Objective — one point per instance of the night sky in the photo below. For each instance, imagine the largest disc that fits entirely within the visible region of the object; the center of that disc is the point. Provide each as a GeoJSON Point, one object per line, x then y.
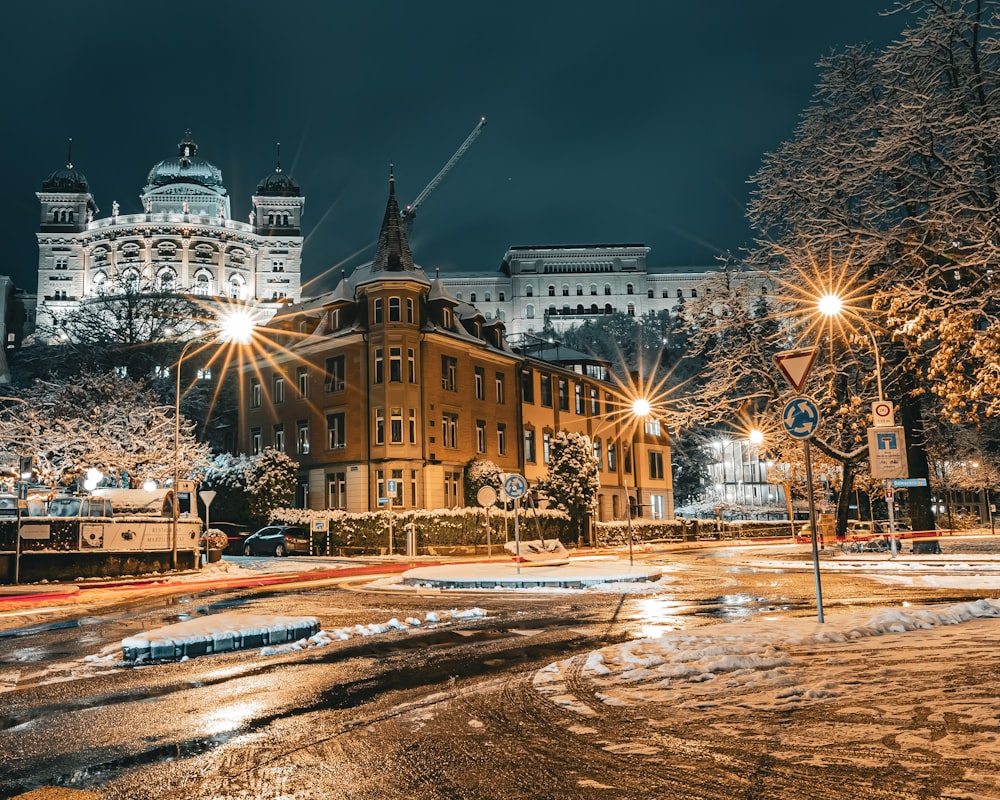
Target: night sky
{"type": "Point", "coordinates": [607, 121]}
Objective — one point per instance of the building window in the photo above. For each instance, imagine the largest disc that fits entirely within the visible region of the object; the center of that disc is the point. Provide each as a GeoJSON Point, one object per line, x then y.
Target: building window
{"type": "Point", "coordinates": [546, 446]}
{"type": "Point", "coordinates": [652, 427]}
{"type": "Point", "coordinates": [396, 425]}
{"type": "Point", "coordinates": [607, 288]}
{"type": "Point", "coordinates": [336, 487]}
{"type": "Point", "coordinates": [394, 309]}
{"type": "Point", "coordinates": [579, 290]}
{"type": "Point", "coordinates": [278, 389]}
{"type": "Point", "coordinates": [630, 310]}
{"type": "Point", "coordinates": [279, 438]}
{"type": "Point", "coordinates": [413, 488]}
{"type": "Point", "coordinates": [411, 365]}
{"type": "Point", "coordinates": [378, 371]}
{"type": "Point", "coordinates": [452, 483]}
{"type": "Point", "coordinates": [501, 389]}
{"type": "Point", "coordinates": [563, 394]}
{"type": "Point", "coordinates": [529, 291]}
{"type": "Point", "coordinates": [528, 386]}
{"type": "Point", "coordinates": [593, 289]}
{"type": "Point", "coordinates": [501, 439]}
{"type": "Point", "coordinates": [629, 289]}
{"type": "Point", "coordinates": [397, 496]}
{"type": "Point", "coordinates": [552, 291]}
{"type": "Point", "coordinates": [447, 320]}
{"type": "Point", "coordinates": [409, 310]}
{"type": "Point", "coordinates": [529, 311]}
{"type": "Point", "coordinates": [379, 436]}
{"type": "Point", "coordinates": [529, 445]}
{"type": "Point", "coordinates": [302, 380]}
{"type": "Point", "coordinates": [694, 293]}
{"type": "Point", "coordinates": [334, 381]}
{"type": "Point", "coordinates": [449, 374]}
{"type": "Point", "coordinates": [255, 443]}
{"type": "Point", "coordinates": [597, 453]}
{"type": "Point", "coordinates": [377, 311]}
{"type": "Point", "coordinates": [302, 437]}
{"type": "Point", "coordinates": [655, 465]}
{"type": "Point", "coordinates": [449, 430]}
{"type": "Point", "coordinates": [649, 293]}
{"type": "Point", "coordinates": [612, 458]}
{"type": "Point", "coordinates": [413, 425]}
{"type": "Point", "coordinates": [565, 290]}
{"type": "Point", "coordinates": [501, 297]}
{"type": "Point", "coordinates": [595, 401]}
{"type": "Point", "coordinates": [480, 436]}
{"type": "Point", "coordinates": [545, 382]}
{"type": "Point", "coordinates": [396, 364]}
{"type": "Point", "coordinates": [578, 399]}
{"type": "Point", "coordinates": [336, 431]}
{"type": "Point", "coordinates": [480, 383]}
{"type": "Point", "coordinates": [255, 394]}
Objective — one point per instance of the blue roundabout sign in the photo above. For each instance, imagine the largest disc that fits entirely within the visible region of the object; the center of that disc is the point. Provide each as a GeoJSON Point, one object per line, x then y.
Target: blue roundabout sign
{"type": "Point", "coordinates": [800, 417]}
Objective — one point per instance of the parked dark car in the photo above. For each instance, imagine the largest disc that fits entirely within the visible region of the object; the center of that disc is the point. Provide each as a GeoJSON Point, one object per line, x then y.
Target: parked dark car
{"type": "Point", "coordinates": [277, 540]}
{"type": "Point", "coordinates": [236, 533]}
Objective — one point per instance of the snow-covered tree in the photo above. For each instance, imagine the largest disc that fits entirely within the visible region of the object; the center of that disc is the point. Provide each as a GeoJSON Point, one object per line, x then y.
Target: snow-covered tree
{"type": "Point", "coordinates": [480, 472]}
{"type": "Point", "coordinates": [573, 480]}
{"type": "Point", "coordinates": [889, 192]}
{"type": "Point", "coordinates": [251, 487]}
{"type": "Point", "coordinates": [104, 422]}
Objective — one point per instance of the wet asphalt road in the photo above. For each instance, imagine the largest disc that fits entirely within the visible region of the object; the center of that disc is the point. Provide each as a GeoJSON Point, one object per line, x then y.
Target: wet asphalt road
{"type": "Point", "coordinates": [444, 712]}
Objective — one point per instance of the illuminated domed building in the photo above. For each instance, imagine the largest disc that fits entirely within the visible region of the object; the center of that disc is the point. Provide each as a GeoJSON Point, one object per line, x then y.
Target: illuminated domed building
{"type": "Point", "coordinates": [184, 240]}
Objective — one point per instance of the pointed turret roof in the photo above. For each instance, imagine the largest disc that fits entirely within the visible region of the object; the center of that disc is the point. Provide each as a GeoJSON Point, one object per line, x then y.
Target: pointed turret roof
{"type": "Point", "coordinates": [392, 252]}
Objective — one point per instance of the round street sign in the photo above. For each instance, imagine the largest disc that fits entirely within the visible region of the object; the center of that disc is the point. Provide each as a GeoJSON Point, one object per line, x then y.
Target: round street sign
{"type": "Point", "coordinates": [515, 486]}
{"type": "Point", "coordinates": [486, 496]}
{"type": "Point", "coordinates": [800, 417]}
{"type": "Point", "coordinates": [882, 414]}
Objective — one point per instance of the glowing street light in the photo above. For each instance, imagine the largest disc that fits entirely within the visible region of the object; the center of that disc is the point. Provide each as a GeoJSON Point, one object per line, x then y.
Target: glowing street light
{"type": "Point", "coordinates": [236, 328]}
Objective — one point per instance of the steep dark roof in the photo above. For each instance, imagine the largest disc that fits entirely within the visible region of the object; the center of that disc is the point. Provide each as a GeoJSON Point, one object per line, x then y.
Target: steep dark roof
{"type": "Point", "coordinates": [393, 258]}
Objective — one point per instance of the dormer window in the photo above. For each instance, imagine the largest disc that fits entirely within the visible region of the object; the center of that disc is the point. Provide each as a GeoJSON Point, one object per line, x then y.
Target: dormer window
{"type": "Point", "coordinates": [447, 319]}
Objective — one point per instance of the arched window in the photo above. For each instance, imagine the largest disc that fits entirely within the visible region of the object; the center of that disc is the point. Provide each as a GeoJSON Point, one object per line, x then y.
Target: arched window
{"type": "Point", "coordinates": [166, 280]}
{"type": "Point", "coordinates": [607, 288]}
{"type": "Point", "coordinates": [579, 290]}
{"type": "Point", "coordinates": [237, 287]}
{"type": "Point", "coordinates": [631, 309]}
{"type": "Point", "coordinates": [552, 290]}
{"type": "Point", "coordinates": [629, 289]}
{"type": "Point", "coordinates": [694, 292]}
{"type": "Point", "coordinates": [565, 290]}
{"type": "Point", "coordinates": [100, 283]}
{"type": "Point", "coordinates": [529, 311]}
{"type": "Point", "coordinates": [680, 293]}
{"type": "Point", "coordinates": [608, 309]}
{"type": "Point", "coordinates": [594, 309]}
{"type": "Point", "coordinates": [593, 289]}
{"type": "Point", "coordinates": [202, 283]}
{"type": "Point", "coordinates": [529, 290]}
{"type": "Point", "coordinates": [579, 309]}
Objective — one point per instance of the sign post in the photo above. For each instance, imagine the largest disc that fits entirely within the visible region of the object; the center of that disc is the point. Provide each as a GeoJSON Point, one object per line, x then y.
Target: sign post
{"type": "Point", "coordinates": [515, 487]}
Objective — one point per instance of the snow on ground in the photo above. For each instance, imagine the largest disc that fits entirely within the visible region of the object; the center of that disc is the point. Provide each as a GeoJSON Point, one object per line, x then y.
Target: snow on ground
{"type": "Point", "coordinates": [764, 664]}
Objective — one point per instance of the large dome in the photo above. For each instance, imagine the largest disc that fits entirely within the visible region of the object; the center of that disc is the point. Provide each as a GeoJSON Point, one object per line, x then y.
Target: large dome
{"type": "Point", "coordinates": [185, 168]}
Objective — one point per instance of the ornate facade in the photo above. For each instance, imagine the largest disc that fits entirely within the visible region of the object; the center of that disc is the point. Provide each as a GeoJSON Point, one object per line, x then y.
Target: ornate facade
{"type": "Point", "coordinates": [184, 239]}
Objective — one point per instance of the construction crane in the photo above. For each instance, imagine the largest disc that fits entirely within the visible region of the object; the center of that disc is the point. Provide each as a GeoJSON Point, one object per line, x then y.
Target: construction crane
{"type": "Point", "coordinates": [411, 210]}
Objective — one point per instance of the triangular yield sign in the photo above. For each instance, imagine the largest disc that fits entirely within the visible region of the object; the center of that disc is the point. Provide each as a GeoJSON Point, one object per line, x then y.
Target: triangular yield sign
{"type": "Point", "coordinates": [795, 366]}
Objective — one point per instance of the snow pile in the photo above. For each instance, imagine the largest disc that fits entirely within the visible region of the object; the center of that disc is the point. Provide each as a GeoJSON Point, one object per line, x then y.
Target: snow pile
{"type": "Point", "coordinates": [325, 637]}
{"type": "Point", "coordinates": [764, 663]}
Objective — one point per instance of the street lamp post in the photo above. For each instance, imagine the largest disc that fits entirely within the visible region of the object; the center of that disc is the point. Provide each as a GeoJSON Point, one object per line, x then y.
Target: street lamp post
{"type": "Point", "coordinates": [831, 305]}
{"type": "Point", "coordinates": [235, 327]}
{"type": "Point", "coordinates": [177, 448]}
